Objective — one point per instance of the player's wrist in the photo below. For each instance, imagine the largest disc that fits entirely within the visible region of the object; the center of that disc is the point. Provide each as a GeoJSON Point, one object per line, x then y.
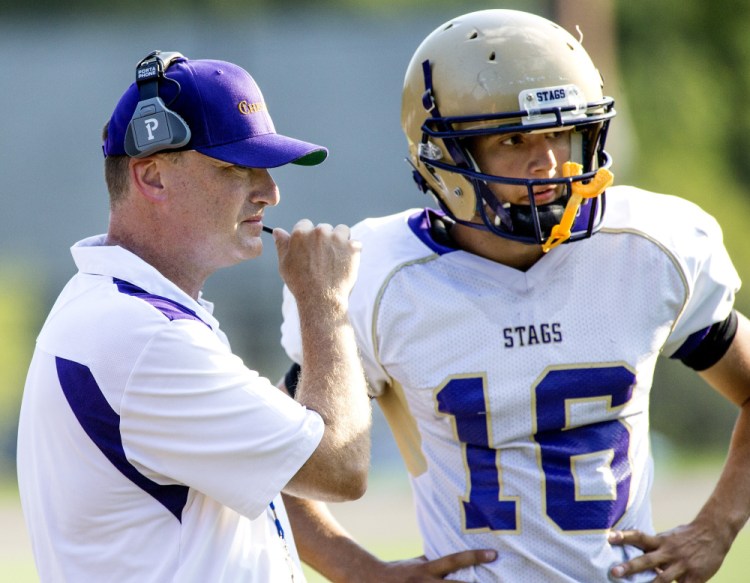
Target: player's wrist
{"type": "Point", "coordinates": [723, 526]}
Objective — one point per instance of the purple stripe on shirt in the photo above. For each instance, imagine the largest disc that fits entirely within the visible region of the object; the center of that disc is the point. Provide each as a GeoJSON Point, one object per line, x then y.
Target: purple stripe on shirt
{"type": "Point", "coordinates": [170, 308]}
{"type": "Point", "coordinates": [102, 425]}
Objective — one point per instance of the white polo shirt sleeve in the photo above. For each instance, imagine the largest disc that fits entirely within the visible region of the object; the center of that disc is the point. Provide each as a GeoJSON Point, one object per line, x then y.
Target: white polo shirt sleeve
{"type": "Point", "coordinates": [192, 413]}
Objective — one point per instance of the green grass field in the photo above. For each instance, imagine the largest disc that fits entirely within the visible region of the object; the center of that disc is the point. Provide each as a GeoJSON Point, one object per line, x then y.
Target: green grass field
{"type": "Point", "coordinates": [383, 521]}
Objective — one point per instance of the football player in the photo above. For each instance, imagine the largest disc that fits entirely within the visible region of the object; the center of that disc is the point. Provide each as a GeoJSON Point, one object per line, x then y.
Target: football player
{"type": "Point", "coordinates": [510, 335]}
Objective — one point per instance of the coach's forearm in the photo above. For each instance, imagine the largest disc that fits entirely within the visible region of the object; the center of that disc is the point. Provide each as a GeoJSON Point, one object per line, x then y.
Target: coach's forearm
{"type": "Point", "coordinates": [332, 383]}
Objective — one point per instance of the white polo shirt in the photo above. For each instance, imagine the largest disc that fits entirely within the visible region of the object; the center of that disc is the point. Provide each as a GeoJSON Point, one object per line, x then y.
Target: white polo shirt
{"type": "Point", "coordinates": [147, 451]}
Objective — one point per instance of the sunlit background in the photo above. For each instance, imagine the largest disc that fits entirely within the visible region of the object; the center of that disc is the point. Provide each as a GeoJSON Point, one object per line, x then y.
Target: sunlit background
{"type": "Point", "coordinates": [331, 72]}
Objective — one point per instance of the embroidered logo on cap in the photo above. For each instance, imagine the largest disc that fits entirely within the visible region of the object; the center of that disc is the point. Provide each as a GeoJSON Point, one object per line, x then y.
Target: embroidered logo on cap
{"type": "Point", "coordinates": [248, 108]}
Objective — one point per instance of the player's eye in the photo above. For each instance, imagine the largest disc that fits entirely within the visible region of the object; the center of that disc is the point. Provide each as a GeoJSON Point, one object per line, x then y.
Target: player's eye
{"type": "Point", "coordinates": [511, 139]}
{"type": "Point", "coordinates": [558, 136]}
{"type": "Point", "coordinates": [552, 136]}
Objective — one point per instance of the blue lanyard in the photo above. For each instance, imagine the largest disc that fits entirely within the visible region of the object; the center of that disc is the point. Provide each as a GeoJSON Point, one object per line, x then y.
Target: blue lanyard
{"type": "Point", "coordinates": [276, 521]}
{"type": "Point", "coordinates": [280, 530]}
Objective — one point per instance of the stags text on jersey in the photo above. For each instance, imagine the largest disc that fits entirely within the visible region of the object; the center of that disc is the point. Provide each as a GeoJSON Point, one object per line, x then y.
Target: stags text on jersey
{"type": "Point", "coordinates": [545, 333]}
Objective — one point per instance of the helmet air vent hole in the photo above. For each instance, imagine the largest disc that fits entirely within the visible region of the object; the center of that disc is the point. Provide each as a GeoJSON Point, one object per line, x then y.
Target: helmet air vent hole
{"type": "Point", "coordinates": [492, 56]}
{"type": "Point", "coordinates": [473, 35]}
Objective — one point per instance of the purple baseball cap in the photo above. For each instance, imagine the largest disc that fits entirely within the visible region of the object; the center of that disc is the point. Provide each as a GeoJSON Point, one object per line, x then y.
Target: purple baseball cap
{"type": "Point", "coordinates": [226, 113]}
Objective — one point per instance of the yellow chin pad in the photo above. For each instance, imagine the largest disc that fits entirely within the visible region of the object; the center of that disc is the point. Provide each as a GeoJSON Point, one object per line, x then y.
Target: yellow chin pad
{"type": "Point", "coordinates": [579, 190]}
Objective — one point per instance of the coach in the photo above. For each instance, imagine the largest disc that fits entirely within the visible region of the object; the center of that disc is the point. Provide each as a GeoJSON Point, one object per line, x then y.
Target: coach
{"type": "Point", "coordinates": [147, 450]}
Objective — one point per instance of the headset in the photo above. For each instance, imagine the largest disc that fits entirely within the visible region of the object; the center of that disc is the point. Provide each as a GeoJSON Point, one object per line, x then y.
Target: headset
{"type": "Point", "coordinates": [154, 127]}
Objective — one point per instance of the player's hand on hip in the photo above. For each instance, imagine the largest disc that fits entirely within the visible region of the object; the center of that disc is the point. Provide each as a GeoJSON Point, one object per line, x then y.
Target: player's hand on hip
{"type": "Point", "coordinates": [318, 261]}
{"type": "Point", "coordinates": [686, 554]}
{"type": "Point", "coordinates": [420, 570]}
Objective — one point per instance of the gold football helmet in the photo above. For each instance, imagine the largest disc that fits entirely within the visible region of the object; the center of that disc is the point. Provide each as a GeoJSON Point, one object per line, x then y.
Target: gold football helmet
{"type": "Point", "coordinates": [502, 71]}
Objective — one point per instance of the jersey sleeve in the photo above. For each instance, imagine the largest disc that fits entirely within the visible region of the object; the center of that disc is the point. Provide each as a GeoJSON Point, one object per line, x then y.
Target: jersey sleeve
{"type": "Point", "coordinates": [711, 278]}
{"type": "Point", "coordinates": [194, 414]}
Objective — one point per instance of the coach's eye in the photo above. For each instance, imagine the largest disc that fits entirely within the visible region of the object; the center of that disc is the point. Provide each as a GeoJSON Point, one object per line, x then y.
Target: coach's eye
{"type": "Point", "coordinates": [238, 171]}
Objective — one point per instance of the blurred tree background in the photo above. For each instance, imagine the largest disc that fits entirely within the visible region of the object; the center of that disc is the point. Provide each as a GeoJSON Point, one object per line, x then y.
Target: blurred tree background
{"type": "Point", "coordinates": [680, 73]}
{"type": "Point", "coordinates": [685, 69]}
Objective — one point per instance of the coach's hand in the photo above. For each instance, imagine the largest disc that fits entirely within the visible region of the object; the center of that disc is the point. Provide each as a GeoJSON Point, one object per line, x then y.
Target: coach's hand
{"type": "Point", "coordinates": [317, 262]}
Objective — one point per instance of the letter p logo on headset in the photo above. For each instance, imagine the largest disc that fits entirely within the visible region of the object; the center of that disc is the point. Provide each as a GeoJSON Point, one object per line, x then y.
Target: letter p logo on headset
{"type": "Point", "coordinates": [154, 127]}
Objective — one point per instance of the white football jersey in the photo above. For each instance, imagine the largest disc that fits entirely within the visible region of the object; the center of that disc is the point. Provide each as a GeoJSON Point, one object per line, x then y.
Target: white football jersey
{"type": "Point", "coordinates": [519, 400]}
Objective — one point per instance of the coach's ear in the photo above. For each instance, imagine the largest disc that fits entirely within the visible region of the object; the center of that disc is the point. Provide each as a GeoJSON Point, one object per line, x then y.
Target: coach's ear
{"type": "Point", "coordinates": [146, 176]}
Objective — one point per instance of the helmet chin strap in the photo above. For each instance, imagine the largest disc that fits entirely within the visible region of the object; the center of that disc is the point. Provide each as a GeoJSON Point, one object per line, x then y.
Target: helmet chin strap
{"type": "Point", "coordinates": [579, 190]}
{"type": "Point", "coordinates": [518, 219]}
{"type": "Point", "coordinates": [547, 216]}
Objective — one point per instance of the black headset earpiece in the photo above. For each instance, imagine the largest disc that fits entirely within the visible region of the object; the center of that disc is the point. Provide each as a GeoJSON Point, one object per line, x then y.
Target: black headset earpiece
{"type": "Point", "coordinates": [154, 127]}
